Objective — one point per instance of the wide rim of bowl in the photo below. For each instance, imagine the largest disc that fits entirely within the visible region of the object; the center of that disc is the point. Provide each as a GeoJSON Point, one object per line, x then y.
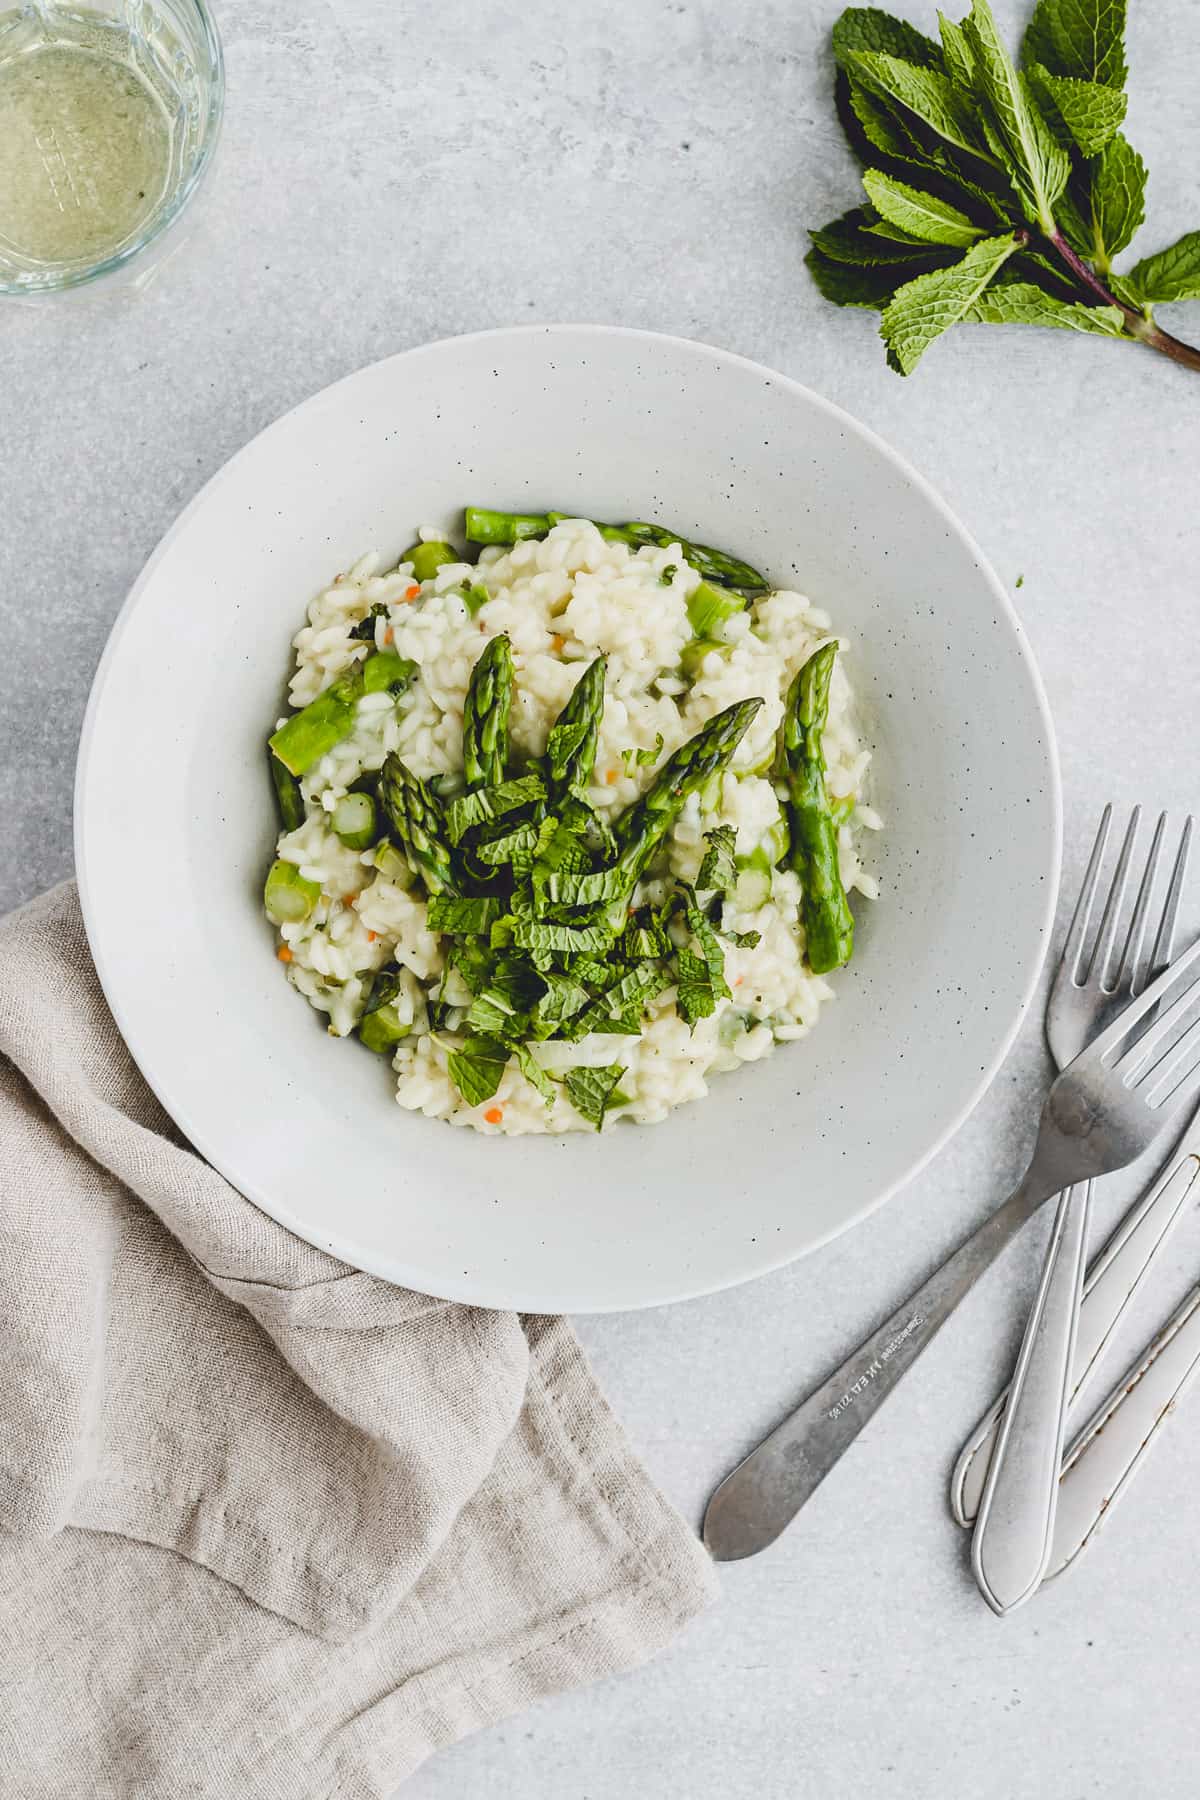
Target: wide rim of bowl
{"type": "Point", "coordinates": [472, 1292]}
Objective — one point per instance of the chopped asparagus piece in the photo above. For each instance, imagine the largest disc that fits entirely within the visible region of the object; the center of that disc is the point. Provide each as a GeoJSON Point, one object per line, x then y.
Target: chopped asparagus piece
{"type": "Point", "coordinates": [287, 896]}
{"type": "Point", "coordinates": [354, 821]}
{"type": "Point", "coordinates": [484, 526]}
{"type": "Point", "coordinates": [287, 794]}
{"type": "Point", "coordinates": [427, 559]}
{"type": "Point", "coordinates": [309, 734]}
{"type": "Point", "coordinates": [709, 607]}
{"type": "Point", "coordinates": [387, 672]}
{"type": "Point", "coordinates": [382, 1029]}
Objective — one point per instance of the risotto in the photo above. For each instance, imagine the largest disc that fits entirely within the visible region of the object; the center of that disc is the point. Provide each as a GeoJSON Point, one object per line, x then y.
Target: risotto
{"type": "Point", "coordinates": [568, 828]}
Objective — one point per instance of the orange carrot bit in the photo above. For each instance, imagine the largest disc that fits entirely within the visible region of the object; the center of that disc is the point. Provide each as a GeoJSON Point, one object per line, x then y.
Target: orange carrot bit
{"type": "Point", "coordinates": [372, 935]}
{"type": "Point", "coordinates": [283, 953]}
{"type": "Point", "coordinates": [557, 641]}
{"type": "Point", "coordinates": [494, 1114]}
{"type": "Point", "coordinates": [738, 980]}
{"type": "Point", "coordinates": [613, 775]}
{"type": "Point", "coordinates": [389, 636]}
{"type": "Point", "coordinates": [410, 593]}
{"type": "Point", "coordinates": [349, 899]}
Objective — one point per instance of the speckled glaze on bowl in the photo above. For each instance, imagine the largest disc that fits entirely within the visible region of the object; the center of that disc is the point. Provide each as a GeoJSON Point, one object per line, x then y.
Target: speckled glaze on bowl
{"type": "Point", "coordinates": [783, 1155]}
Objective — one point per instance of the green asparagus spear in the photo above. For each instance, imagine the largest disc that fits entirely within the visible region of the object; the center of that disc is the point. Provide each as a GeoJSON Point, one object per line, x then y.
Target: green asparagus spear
{"type": "Point", "coordinates": [415, 816]}
{"type": "Point", "coordinates": [642, 829]}
{"type": "Point", "coordinates": [287, 896]}
{"type": "Point", "coordinates": [304, 738]}
{"type": "Point", "coordinates": [427, 559]}
{"type": "Point", "coordinates": [487, 527]}
{"type": "Point", "coordinates": [571, 746]}
{"type": "Point", "coordinates": [714, 565]}
{"type": "Point", "coordinates": [828, 921]}
{"type": "Point", "coordinates": [353, 821]}
{"type": "Point", "coordinates": [287, 794]}
{"type": "Point", "coordinates": [485, 715]}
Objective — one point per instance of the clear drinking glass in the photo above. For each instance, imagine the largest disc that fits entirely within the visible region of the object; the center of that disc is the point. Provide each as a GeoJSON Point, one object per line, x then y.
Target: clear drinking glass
{"type": "Point", "coordinates": [109, 114]}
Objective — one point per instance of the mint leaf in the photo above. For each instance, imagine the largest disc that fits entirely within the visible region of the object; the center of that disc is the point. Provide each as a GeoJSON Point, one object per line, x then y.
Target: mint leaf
{"type": "Point", "coordinates": [743, 940]}
{"type": "Point", "coordinates": [491, 803]}
{"type": "Point", "coordinates": [849, 240]}
{"type": "Point", "coordinates": [1118, 198]}
{"type": "Point", "coordinates": [534, 1073]}
{"type": "Point", "coordinates": [869, 28]}
{"type": "Point", "coordinates": [571, 888]}
{"type": "Point", "coordinates": [718, 870]}
{"type": "Point", "coordinates": [1090, 113]}
{"type": "Point", "coordinates": [1039, 166]}
{"type": "Point", "coordinates": [1082, 39]}
{"type": "Point", "coordinates": [1021, 303]}
{"type": "Point", "coordinates": [446, 913]}
{"type": "Point", "coordinates": [693, 988]}
{"type": "Point", "coordinates": [926, 93]}
{"type": "Point", "coordinates": [535, 934]}
{"type": "Point", "coordinates": [621, 1006]}
{"type": "Point", "coordinates": [846, 284]}
{"type": "Point", "coordinates": [477, 1068]}
{"type": "Point", "coordinates": [515, 847]}
{"type": "Point", "coordinates": [881, 128]}
{"type": "Point", "coordinates": [1171, 274]}
{"type": "Point", "coordinates": [562, 743]}
{"type": "Point", "coordinates": [561, 1001]}
{"type": "Point", "coordinates": [926, 307]}
{"type": "Point", "coordinates": [921, 214]}
{"type": "Point", "coordinates": [592, 1091]}
{"type": "Point", "coordinates": [956, 54]}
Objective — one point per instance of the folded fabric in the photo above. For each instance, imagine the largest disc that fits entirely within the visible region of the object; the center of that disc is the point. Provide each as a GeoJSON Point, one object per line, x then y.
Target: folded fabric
{"type": "Point", "coordinates": [268, 1525]}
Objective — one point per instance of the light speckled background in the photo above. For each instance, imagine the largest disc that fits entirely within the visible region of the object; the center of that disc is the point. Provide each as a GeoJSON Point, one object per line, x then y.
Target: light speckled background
{"type": "Point", "coordinates": [390, 175]}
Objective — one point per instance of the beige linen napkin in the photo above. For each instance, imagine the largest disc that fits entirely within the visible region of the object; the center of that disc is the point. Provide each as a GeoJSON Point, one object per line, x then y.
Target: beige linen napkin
{"type": "Point", "coordinates": [268, 1526]}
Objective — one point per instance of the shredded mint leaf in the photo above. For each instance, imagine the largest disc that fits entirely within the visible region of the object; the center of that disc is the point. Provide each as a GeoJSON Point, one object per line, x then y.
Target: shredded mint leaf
{"type": "Point", "coordinates": [449, 914]}
{"type": "Point", "coordinates": [511, 847]}
{"type": "Point", "coordinates": [597, 889]}
{"type": "Point", "coordinates": [1038, 164]}
{"type": "Point", "coordinates": [1090, 113]}
{"type": "Point", "coordinates": [693, 988]}
{"type": "Point", "coordinates": [743, 940]}
{"type": "Point", "coordinates": [537, 934]}
{"type": "Point", "coordinates": [591, 1091]}
{"type": "Point", "coordinates": [490, 803]}
{"type": "Point", "coordinates": [562, 743]}
{"type": "Point", "coordinates": [710, 948]}
{"type": "Point", "coordinates": [922, 215]}
{"type": "Point", "coordinates": [1081, 39]}
{"type": "Point", "coordinates": [624, 1002]}
{"type": "Point", "coordinates": [1171, 274]}
{"type": "Point", "coordinates": [869, 28]}
{"type": "Point", "coordinates": [718, 870]}
{"type": "Point", "coordinates": [534, 1073]}
{"type": "Point", "coordinates": [477, 1068]}
{"type": "Point", "coordinates": [384, 989]}
{"type": "Point", "coordinates": [564, 997]}
{"type": "Point", "coordinates": [926, 307]}
{"type": "Point", "coordinates": [1021, 303]}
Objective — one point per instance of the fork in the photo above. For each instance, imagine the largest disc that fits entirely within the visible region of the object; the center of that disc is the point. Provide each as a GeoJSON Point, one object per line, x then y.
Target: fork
{"type": "Point", "coordinates": [1106, 1109]}
{"type": "Point", "coordinates": [1014, 1527]}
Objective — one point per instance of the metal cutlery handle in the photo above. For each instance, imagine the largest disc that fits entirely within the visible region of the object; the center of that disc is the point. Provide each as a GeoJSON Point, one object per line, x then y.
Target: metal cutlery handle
{"type": "Point", "coordinates": [1015, 1527]}
{"type": "Point", "coordinates": [1109, 1451]}
{"type": "Point", "coordinates": [1112, 1281]}
{"type": "Point", "coordinates": [764, 1493]}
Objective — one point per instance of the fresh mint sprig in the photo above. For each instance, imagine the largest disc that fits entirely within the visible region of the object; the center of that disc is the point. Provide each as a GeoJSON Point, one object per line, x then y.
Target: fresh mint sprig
{"type": "Point", "coordinates": [995, 195]}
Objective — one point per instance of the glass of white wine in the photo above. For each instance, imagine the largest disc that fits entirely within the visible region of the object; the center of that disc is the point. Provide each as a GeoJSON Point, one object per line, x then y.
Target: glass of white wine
{"type": "Point", "coordinates": [109, 113]}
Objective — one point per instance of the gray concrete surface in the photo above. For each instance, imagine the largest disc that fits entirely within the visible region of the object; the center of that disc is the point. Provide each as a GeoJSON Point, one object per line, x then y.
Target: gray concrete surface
{"type": "Point", "coordinates": [391, 175]}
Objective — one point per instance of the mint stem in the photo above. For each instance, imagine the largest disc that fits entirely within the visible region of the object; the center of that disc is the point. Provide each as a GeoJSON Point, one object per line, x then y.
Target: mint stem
{"type": "Point", "coordinates": [1136, 323]}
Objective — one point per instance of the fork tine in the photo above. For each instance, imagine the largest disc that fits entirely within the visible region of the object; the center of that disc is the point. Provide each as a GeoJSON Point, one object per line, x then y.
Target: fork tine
{"type": "Point", "coordinates": [1174, 1068]}
{"type": "Point", "coordinates": [1135, 968]}
{"type": "Point", "coordinates": [1072, 955]}
{"type": "Point", "coordinates": [1164, 942]}
{"type": "Point", "coordinates": [1119, 1041]}
{"type": "Point", "coordinates": [1102, 956]}
{"type": "Point", "coordinates": [1139, 1060]}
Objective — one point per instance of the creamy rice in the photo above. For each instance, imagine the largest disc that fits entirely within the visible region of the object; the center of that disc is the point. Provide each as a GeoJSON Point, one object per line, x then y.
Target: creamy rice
{"type": "Point", "coordinates": [562, 600]}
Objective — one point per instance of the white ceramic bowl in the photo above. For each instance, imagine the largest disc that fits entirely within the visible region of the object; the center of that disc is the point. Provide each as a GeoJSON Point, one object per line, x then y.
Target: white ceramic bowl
{"type": "Point", "coordinates": [175, 822]}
